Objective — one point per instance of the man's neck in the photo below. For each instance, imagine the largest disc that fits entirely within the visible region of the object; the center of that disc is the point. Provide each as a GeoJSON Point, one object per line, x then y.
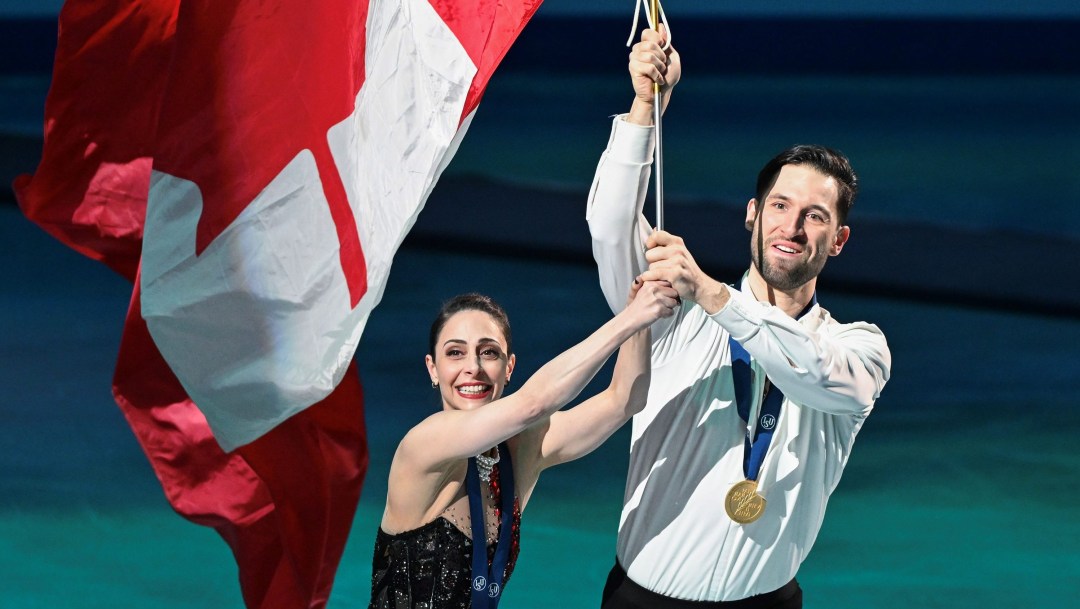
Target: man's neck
{"type": "Point", "coordinates": [791, 302]}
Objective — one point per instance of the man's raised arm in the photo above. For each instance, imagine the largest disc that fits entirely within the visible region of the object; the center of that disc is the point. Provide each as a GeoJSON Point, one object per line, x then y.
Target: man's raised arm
{"type": "Point", "coordinates": [616, 223]}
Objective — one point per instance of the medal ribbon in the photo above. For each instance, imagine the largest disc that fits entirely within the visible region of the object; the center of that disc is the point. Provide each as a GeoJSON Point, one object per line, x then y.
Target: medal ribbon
{"type": "Point", "coordinates": [487, 580]}
{"type": "Point", "coordinates": [754, 449]}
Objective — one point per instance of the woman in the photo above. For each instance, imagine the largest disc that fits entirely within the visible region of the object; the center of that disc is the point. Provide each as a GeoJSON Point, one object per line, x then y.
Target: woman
{"type": "Point", "coordinates": [466, 472]}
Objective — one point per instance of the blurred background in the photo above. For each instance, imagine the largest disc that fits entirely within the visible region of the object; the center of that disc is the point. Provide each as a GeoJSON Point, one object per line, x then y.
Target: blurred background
{"type": "Point", "coordinates": [963, 121]}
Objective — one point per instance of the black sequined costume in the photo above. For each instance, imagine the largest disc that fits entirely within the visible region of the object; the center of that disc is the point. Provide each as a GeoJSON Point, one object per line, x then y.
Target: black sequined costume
{"type": "Point", "coordinates": [430, 567]}
{"type": "Point", "coordinates": [427, 568]}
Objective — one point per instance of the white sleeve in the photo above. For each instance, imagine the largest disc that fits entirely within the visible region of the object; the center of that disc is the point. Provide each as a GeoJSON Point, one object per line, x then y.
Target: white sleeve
{"type": "Point", "coordinates": [616, 224]}
{"type": "Point", "coordinates": [837, 368]}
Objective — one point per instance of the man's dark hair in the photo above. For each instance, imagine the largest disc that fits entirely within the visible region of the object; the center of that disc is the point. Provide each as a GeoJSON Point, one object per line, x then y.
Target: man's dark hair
{"type": "Point", "coordinates": [470, 302]}
{"type": "Point", "coordinates": [829, 162]}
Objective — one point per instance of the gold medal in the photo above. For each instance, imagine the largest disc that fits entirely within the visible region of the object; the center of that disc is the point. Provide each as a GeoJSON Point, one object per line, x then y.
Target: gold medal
{"type": "Point", "coordinates": [743, 503]}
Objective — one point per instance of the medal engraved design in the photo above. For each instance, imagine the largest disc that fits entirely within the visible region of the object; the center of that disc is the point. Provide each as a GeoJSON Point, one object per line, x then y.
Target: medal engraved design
{"type": "Point", "coordinates": [743, 504]}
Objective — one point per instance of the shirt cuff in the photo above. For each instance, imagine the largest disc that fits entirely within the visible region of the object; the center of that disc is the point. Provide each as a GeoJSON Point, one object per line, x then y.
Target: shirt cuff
{"type": "Point", "coordinates": [630, 143]}
{"type": "Point", "coordinates": [741, 315]}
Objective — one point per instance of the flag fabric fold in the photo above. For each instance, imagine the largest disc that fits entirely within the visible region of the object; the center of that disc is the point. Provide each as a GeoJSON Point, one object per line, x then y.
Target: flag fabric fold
{"type": "Point", "coordinates": [253, 167]}
{"type": "Point", "coordinates": [90, 188]}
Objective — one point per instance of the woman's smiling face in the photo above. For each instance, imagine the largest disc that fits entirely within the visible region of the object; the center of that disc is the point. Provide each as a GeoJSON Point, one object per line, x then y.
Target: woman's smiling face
{"type": "Point", "coordinates": [471, 363]}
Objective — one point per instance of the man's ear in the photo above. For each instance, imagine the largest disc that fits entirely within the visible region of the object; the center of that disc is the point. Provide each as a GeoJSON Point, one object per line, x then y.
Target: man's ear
{"type": "Point", "coordinates": [751, 214]}
{"type": "Point", "coordinates": [842, 237]}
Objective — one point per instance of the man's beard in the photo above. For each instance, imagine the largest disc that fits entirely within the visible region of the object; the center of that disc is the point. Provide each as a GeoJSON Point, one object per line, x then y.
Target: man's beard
{"type": "Point", "coordinates": [789, 278]}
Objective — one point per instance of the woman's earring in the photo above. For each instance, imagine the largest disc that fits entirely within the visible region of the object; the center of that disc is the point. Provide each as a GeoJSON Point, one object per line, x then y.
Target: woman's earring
{"type": "Point", "coordinates": [434, 384]}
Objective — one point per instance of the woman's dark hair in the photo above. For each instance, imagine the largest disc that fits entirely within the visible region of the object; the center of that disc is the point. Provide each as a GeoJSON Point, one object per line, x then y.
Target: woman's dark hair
{"type": "Point", "coordinates": [829, 162]}
{"type": "Point", "coordinates": [470, 302]}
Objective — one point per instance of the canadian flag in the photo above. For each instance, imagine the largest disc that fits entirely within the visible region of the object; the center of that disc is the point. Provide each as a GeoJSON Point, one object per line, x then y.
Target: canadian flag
{"type": "Point", "coordinates": [253, 167]}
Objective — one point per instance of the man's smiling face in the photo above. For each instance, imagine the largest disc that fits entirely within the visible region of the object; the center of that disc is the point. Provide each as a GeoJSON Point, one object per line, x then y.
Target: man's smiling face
{"type": "Point", "coordinates": [797, 226]}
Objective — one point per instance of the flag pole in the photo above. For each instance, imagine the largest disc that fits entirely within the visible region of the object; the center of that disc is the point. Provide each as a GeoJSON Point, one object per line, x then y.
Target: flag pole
{"type": "Point", "coordinates": [657, 111]}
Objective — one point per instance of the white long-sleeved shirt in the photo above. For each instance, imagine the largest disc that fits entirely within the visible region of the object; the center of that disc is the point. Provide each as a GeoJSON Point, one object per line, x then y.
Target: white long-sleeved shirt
{"type": "Point", "coordinates": [687, 444]}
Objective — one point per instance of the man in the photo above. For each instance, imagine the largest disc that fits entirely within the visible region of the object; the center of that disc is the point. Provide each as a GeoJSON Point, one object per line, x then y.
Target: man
{"type": "Point", "coordinates": [757, 393]}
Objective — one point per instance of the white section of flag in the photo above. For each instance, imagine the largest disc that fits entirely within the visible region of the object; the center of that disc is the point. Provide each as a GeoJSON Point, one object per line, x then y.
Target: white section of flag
{"type": "Point", "coordinates": [259, 327]}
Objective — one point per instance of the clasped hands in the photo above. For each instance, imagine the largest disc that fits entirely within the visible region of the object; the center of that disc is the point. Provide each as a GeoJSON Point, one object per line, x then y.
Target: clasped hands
{"type": "Point", "coordinates": [671, 262]}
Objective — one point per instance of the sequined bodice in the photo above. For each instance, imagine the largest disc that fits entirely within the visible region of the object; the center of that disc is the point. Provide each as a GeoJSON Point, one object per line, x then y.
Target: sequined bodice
{"type": "Point", "coordinates": [429, 567]}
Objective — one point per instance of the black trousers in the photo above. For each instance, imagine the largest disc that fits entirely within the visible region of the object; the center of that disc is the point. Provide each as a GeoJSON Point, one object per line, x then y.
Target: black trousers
{"type": "Point", "coordinates": [621, 592]}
